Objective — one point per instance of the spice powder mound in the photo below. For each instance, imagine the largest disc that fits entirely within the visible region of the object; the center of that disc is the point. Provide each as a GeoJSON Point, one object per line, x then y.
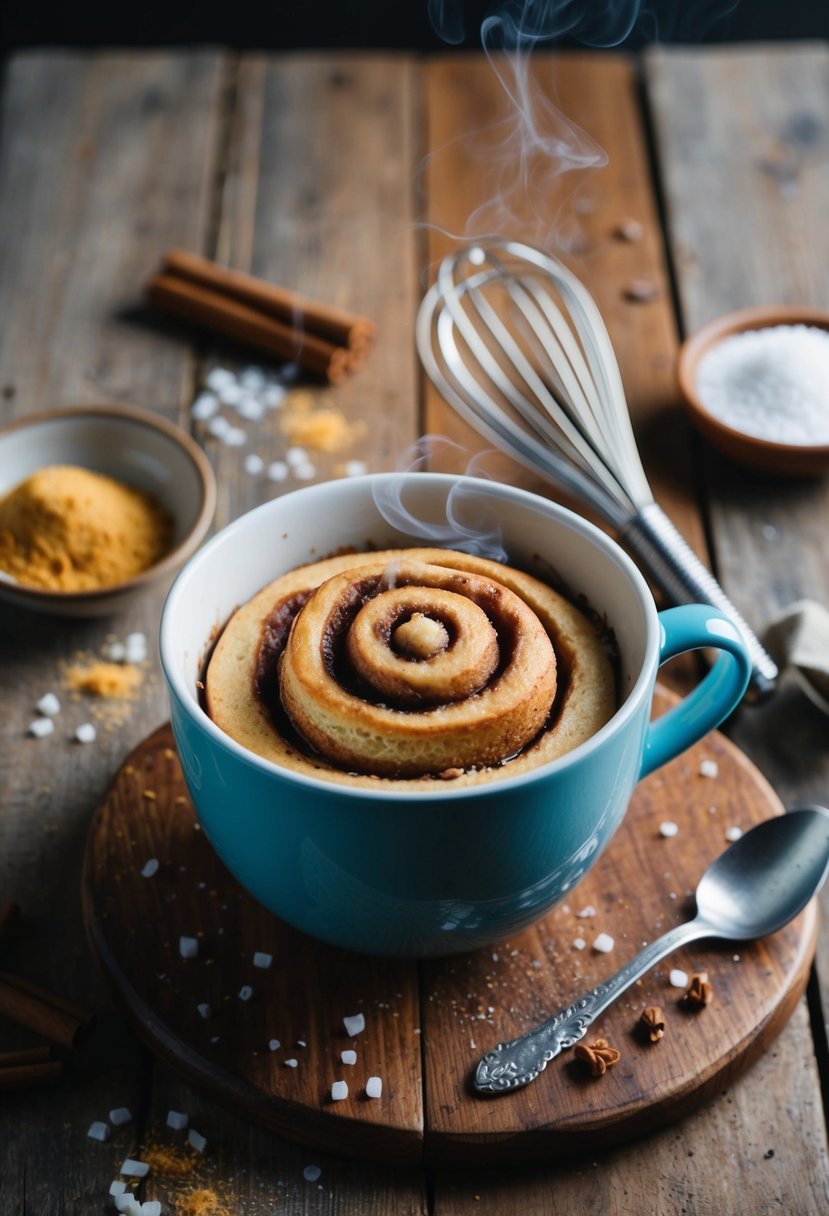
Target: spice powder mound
{"type": "Point", "coordinates": [68, 529]}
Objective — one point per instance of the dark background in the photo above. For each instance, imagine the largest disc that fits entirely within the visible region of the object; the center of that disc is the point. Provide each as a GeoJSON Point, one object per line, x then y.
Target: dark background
{"type": "Point", "coordinates": [404, 24]}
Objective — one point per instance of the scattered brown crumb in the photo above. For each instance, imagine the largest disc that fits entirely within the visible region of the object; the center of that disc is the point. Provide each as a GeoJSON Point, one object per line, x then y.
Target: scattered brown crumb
{"type": "Point", "coordinates": [102, 679]}
{"type": "Point", "coordinates": [699, 992]}
{"type": "Point", "coordinates": [449, 774]}
{"type": "Point", "coordinates": [174, 1162]}
{"type": "Point", "coordinates": [202, 1202]}
{"type": "Point", "coordinates": [653, 1023]}
{"type": "Point", "coordinates": [629, 230]}
{"type": "Point", "coordinates": [599, 1055]}
{"type": "Point", "coordinates": [641, 291]}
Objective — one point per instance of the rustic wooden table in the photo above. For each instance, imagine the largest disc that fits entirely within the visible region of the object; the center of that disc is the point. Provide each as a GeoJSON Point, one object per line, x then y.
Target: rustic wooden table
{"type": "Point", "coordinates": [347, 175]}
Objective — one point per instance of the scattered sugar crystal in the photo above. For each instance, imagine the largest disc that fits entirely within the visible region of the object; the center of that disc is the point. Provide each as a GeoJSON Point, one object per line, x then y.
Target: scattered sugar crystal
{"type": "Point", "coordinates": [41, 727]}
{"type": "Point", "coordinates": [135, 648]}
{"type": "Point", "coordinates": [579, 943]}
{"type": "Point", "coordinates": [116, 652]}
{"type": "Point", "coordinates": [678, 978]}
{"type": "Point", "coordinates": [196, 1140]}
{"type": "Point", "coordinates": [86, 733]}
{"type": "Point", "coordinates": [254, 464]}
{"type": "Point", "coordinates": [177, 1120]}
{"type": "Point", "coordinates": [263, 960]}
{"type": "Point", "coordinates": [339, 1091]}
{"type": "Point", "coordinates": [250, 409]}
{"type": "Point", "coordinates": [117, 1187]}
{"type": "Point", "coordinates": [733, 833]}
{"type": "Point", "coordinates": [586, 912]}
{"type": "Point", "coordinates": [354, 1024]}
{"type": "Point", "coordinates": [708, 768]}
{"type": "Point", "coordinates": [231, 394]}
{"type": "Point", "coordinates": [253, 378]}
{"type": "Point", "coordinates": [134, 1169]}
{"type": "Point", "coordinates": [219, 377]}
{"type": "Point", "coordinates": [120, 1115]}
{"type": "Point", "coordinates": [374, 1087]}
{"type": "Point", "coordinates": [311, 1173]}
{"type": "Point", "coordinates": [292, 1063]}
{"type": "Point", "coordinates": [296, 456]}
{"type": "Point", "coordinates": [204, 1010]}
{"type": "Point", "coordinates": [150, 868]}
{"type": "Point", "coordinates": [151, 1207]}
{"type": "Point", "coordinates": [188, 947]}
{"type": "Point", "coordinates": [245, 992]}
{"type": "Point", "coordinates": [355, 468]}
{"type": "Point", "coordinates": [274, 1044]}
{"type": "Point", "coordinates": [604, 943]}
{"type": "Point", "coordinates": [305, 471]}
{"type": "Point", "coordinates": [301, 1043]}
{"type": "Point", "coordinates": [218, 426]}
{"type": "Point", "coordinates": [205, 406]}
{"type": "Point", "coordinates": [668, 828]}
{"type": "Point", "coordinates": [273, 396]}
{"type": "Point", "coordinates": [348, 1057]}
{"type": "Point", "coordinates": [277, 470]}
{"type": "Point", "coordinates": [127, 1204]}
{"type": "Point", "coordinates": [216, 1039]}
{"type": "Point", "coordinates": [98, 1131]}
{"type": "Point", "coordinates": [235, 437]}
{"type": "Point", "coordinates": [48, 705]}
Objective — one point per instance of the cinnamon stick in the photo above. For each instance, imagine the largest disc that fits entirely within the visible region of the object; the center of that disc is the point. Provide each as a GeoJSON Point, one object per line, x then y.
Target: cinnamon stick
{"type": "Point", "coordinates": [9, 920]}
{"type": "Point", "coordinates": [29, 1067]}
{"type": "Point", "coordinates": [196, 303]}
{"type": "Point", "coordinates": [50, 1015]}
{"type": "Point", "coordinates": [336, 325]}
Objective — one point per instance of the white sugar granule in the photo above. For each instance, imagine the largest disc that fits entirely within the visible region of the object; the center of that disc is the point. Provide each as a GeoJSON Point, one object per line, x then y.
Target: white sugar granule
{"type": "Point", "coordinates": [274, 1044]}
{"type": "Point", "coordinates": [262, 960]}
{"type": "Point", "coordinates": [355, 1024]}
{"type": "Point", "coordinates": [48, 705]}
{"type": "Point", "coordinates": [604, 943]}
{"type": "Point", "coordinates": [579, 943]}
{"type": "Point", "coordinates": [311, 1173]}
{"type": "Point", "coordinates": [41, 727]}
{"type": "Point", "coordinates": [709, 768]}
{"type": "Point", "coordinates": [177, 1120]}
{"type": "Point", "coordinates": [304, 471]}
{"type": "Point", "coordinates": [374, 1087]}
{"type": "Point", "coordinates": [204, 1010]}
{"type": "Point", "coordinates": [291, 1063]}
{"type": "Point", "coordinates": [586, 912]}
{"type": "Point", "coordinates": [245, 992]}
{"type": "Point", "coordinates": [98, 1131]}
{"type": "Point", "coordinates": [733, 833]}
{"type": "Point", "coordinates": [677, 978]}
{"type": "Point", "coordinates": [348, 1057]}
{"type": "Point", "coordinates": [196, 1140]}
{"type": "Point", "coordinates": [188, 947]}
{"type": "Point", "coordinates": [204, 407]}
{"type": "Point", "coordinates": [218, 426]}
{"type": "Point", "coordinates": [339, 1091]}
{"type": "Point", "coordinates": [120, 1115]}
{"type": "Point", "coordinates": [668, 829]}
{"type": "Point", "coordinates": [117, 1187]}
{"type": "Point", "coordinates": [131, 1168]}
{"type": "Point", "coordinates": [234, 437]}
{"type": "Point", "coordinates": [150, 868]}
{"type": "Point", "coordinates": [218, 378]}
{"type": "Point", "coordinates": [772, 383]}
{"type": "Point", "coordinates": [86, 733]}
{"type": "Point", "coordinates": [277, 470]}
{"type": "Point", "coordinates": [151, 1207]}
{"type": "Point", "coordinates": [254, 464]}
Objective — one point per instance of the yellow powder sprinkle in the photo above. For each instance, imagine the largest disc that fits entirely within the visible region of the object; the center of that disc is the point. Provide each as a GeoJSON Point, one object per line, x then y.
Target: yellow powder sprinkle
{"type": "Point", "coordinates": [203, 1202]}
{"type": "Point", "coordinates": [67, 529]}
{"type": "Point", "coordinates": [323, 430]}
{"type": "Point", "coordinates": [104, 679]}
{"type": "Point", "coordinates": [174, 1162]}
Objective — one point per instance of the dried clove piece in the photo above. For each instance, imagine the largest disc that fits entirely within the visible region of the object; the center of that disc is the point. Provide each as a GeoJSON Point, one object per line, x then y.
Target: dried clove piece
{"type": "Point", "coordinates": [652, 1023]}
{"type": "Point", "coordinates": [599, 1055]}
{"type": "Point", "coordinates": [699, 992]}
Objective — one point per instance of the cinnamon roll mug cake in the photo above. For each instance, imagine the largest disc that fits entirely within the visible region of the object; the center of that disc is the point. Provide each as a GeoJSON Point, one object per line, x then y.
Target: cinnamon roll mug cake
{"type": "Point", "coordinates": [406, 749]}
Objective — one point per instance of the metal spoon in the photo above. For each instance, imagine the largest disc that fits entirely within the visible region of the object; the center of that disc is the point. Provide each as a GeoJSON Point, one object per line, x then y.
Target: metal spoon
{"type": "Point", "coordinates": [756, 887]}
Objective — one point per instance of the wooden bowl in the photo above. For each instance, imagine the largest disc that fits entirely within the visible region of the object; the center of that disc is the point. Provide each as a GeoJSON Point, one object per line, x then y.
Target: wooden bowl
{"type": "Point", "coordinates": [133, 446]}
{"type": "Point", "coordinates": [788, 459]}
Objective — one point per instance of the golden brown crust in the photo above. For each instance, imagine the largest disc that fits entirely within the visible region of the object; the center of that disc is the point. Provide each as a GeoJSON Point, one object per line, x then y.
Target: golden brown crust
{"type": "Point", "coordinates": [529, 615]}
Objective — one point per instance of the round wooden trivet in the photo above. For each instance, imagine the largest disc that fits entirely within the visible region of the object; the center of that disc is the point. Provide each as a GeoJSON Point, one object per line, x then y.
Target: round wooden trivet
{"type": "Point", "coordinates": [267, 1040]}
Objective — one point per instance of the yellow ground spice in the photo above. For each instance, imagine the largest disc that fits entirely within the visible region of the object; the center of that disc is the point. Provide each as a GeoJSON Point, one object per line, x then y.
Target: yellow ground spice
{"type": "Point", "coordinates": [68, 529]}
{"type": "Point", "coordinates": [171, 1162]}
{"type": "Point", "coordinates": [202, 1202]}
{"type": "Point", "coordinates": [102, 679]}
{"type": "Point", "coordinates": [323, 429]}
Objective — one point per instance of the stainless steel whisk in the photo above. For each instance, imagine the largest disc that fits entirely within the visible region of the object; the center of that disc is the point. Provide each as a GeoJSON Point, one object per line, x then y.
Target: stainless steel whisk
{"type": "Point", "coordinates": [515, 343]}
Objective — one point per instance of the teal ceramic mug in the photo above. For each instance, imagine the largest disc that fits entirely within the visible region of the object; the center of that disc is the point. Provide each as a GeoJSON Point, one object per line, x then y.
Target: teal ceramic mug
{"type": "Point", "coordinates": [408, 873]}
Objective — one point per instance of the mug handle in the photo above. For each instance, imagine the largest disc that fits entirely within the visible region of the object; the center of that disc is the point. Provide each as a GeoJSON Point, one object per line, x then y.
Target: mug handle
{"type": "Point", "coordinates": [693, 627]}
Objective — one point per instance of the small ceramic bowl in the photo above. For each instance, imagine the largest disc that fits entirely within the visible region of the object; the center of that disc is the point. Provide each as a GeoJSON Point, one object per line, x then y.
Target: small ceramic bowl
{"type": "Point", "coordinates": [133, 446]}
{"type": "Point", "coordinates": [788, 459]}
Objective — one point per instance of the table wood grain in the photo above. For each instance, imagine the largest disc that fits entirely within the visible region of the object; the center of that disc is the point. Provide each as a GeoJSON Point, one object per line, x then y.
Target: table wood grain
{"type": "Point", "coordinates": [311, 168]}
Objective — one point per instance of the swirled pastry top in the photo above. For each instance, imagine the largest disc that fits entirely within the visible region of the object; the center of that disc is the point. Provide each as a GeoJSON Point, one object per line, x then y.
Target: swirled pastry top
{"type": "Point", "coordinates": [409, 666]}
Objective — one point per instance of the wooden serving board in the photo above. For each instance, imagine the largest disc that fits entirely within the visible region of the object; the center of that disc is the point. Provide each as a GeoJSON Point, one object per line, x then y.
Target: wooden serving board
{"type": "Point", "coordinates": [428, 1023]}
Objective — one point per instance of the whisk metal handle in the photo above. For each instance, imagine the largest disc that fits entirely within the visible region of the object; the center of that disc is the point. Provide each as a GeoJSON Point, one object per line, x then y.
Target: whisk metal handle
{"type": "Point", "coordinates": [678, 572]}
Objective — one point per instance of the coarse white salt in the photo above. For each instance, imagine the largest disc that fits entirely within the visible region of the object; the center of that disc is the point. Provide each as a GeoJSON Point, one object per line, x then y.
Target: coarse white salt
{"type": "Point", "coordinates": [196, 1140]}
{"type": "Point", "coordinates": [135, 648]}
{"type": "Point", "coordinates": [292, 1063]}
{"type": "Point", "coordinates": [117, 1187]}
{"type": "Point", "coordinates": [668, 828]}
{"type": "Point", "coordinates": [733, 833]}
{"type": "Point", "coordinates": [305, 471]}
{"type": "Point", "coordinates": [188, 947]}
{"type": "Point", "coordinates": [204, 407]}
{"type": "Point", "coordinates": [127, 1204]}
{"type": "Point", "coordinates": [116, 652]}
{"type": "Point", "coordinates": [678, 978]}
{"type": "Point", "coordinates": [579, 943]}
{"type": "Point", "coordinates": [262, 960]}
{"type": "Point", "coordinates": [251, 409]}
{"type": "Point", "coordinates": [586, 912]}
{"type": "Point", "coordinates": [231, 394]}
{"type": "Point", "coordinates": [204, 1010]}
{"type": "Point", "coordinates": [235, 437]}
{"type": "Point", "coordinates": [41, 727]}
{"type": "Point", "coordinates": [277, 470]}
{"type": "Point", "coordinates": [604, 943]}
{"type": "Point", "coordinates": [150, 868]}
{"type": "Point", "coordinates": [120, 1115]}
{"type": "Point", "coordinates": [274, 1044]}
{"type": "Point", "coordinates": [48, 705]}
{"type": "Point", "coordinates": [355, 1024]}
{"type": "Point", "coordinates": [295, 455]}
{"type": "Point", "coordinates": [301, 1043]}
{"type": "Point", "coordinates": [771, 382]}
{"type": "Point", "coordinates": [254, 464]}
{"type": "Point", "coordinates": [245, 992]}
{"type": "Point", "coordinates": [311, 1173]}
{"type": "Point", "coordinates": [151, 1207]}
{"type": "Point", "coordinates": [219, 377]}
{"type": "Point", "coordinates": [355, 468]}
{"type": "Point", "coordinates": [86, 733]}
{"type": "Point", "coordinates": [709, 768]}
{"type": "Point", "coordinates": [339, 1091]}
{"type": "Point", "coordinates": [253, 378]}
{"type": "Point", "coordinates": [218, 426]}
{"type": "Point", "coordinates": [374, 1087]}
{"type": "Point", "coordinates": [273, 396]}
{"type": "Point", "coordinates": [98, 1131]}
{"type": "Point", "coordinates": [177, 1120]}
{"type": "Point", "coordinates": [131, 1168]}
{"type": "Point", "coordinates": [348, 1057]}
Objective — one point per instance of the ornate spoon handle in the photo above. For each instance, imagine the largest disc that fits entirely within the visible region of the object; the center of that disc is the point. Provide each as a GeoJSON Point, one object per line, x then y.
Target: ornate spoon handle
{"type": "Point", "coordinates": [517, 1062]}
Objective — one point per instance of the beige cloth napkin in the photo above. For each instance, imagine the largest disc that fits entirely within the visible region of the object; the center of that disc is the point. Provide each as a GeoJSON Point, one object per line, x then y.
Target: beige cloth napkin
{"type": "Point", "coordinates": [798, 641]}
